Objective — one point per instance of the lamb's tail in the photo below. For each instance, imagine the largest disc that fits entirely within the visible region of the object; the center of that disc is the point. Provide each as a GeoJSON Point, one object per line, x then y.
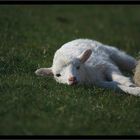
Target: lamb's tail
{"type": "Point", "coordinates": [130, 90]}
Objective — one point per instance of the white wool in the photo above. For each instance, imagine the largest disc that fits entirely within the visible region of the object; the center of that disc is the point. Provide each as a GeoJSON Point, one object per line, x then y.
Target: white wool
{"type": "Point", "coordinates": [101, 67]}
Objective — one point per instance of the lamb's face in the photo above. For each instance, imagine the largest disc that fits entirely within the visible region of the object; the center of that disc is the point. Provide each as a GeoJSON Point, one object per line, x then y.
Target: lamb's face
{"type": "Point", "coordinates": [66, 71]}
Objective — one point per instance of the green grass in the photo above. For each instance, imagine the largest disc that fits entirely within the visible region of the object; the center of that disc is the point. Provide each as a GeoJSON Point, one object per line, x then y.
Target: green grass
{"type": "Point", "coordinates": [29, 37]}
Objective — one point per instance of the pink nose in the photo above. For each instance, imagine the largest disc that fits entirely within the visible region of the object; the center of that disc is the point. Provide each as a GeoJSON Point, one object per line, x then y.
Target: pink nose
{"type": "Point", "coordinates": [72, 79]}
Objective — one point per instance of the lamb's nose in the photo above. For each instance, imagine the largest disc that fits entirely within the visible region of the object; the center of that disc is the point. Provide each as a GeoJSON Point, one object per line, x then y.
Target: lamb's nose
{"type": "Point", "coordinates": [72, 78]}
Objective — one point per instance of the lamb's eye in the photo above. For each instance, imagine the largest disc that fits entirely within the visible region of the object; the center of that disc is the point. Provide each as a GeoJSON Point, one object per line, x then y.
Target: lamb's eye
{"type": "Point", "coordinates": [78, 67]}
{"type": "Point", "coordinates": [58, 75]}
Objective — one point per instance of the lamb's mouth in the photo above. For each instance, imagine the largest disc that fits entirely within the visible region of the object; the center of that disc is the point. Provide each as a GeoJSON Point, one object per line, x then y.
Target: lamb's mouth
{"type": "Point", "coordinates": [73, 83]}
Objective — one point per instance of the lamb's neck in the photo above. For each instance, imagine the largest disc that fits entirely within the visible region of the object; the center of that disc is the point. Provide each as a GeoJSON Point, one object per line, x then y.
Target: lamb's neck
{"type": "Point", "coordinates": [90, 74]}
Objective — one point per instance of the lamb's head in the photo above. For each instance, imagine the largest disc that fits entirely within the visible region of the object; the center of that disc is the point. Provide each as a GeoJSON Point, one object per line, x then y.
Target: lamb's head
{"type": "Point", "coordinates": [67, 71]}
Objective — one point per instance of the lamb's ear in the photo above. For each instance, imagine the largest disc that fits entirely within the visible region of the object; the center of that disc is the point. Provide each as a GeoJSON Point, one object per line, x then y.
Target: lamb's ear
{"type": "Point", "coordinates": [44, 72]}
{"type": "Point", "coordinates": [85, 55]}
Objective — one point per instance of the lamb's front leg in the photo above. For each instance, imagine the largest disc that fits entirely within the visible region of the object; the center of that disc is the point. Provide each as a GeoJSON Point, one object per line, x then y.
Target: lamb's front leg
{"type": "Point", "coordinates": [102, 82]}
{"type": "Point", "coordinates": [114, 74]}
{"type": "Point", "coordinates": [117, 86]}
{"type": "Point", "coordinates": [121, 79]}
{"type": "Point", "coordinates": [107, 84]}
{"type": "Point", "coordinates": [123, 83]}
{"type": "Point", "coordinates": [119, 82]}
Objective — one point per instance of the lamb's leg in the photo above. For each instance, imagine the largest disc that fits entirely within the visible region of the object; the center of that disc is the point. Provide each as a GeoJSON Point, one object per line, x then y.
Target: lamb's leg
{"type": "Point", "coordinates": [119, 82]}
{"type": "Point", "coordinates": [116, 86]}
{"type": "Point", "coordinates": [108, 84]}
{"type": "Point", "coordinates": [113, 73]}
{"type": "Point", "coordinates": [123, 60]}
{"type": "Point", "coordinates": [121, 79]}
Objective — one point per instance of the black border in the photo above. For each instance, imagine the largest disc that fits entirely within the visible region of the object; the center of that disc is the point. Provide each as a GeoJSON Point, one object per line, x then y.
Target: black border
{"type": "Point", "coordinates": [71, 137]}
{"type": "Point", "coordinates": [67, 2]}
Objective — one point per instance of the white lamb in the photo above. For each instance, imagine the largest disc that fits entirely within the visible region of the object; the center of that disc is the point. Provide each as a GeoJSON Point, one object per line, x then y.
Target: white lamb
{"type": "Point", "coordinates": [84, 61]}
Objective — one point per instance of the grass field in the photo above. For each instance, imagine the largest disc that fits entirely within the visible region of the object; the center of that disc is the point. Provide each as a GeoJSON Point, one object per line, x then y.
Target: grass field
{"type": "Point", "coordinates": [29, 36]}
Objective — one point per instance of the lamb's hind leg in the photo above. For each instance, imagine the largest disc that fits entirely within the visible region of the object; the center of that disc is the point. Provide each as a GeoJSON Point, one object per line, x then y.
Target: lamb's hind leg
{"type": "Point", "coordinates": [123, 60]}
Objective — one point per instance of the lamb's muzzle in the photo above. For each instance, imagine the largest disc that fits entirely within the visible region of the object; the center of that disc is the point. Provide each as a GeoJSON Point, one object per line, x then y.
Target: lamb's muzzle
{"type": "Point", "coordinates": [72, 80]}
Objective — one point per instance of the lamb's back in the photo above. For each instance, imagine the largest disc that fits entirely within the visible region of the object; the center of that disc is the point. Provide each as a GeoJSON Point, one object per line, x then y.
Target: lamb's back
{"type": "Point", "coordinates": [74, 48]}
